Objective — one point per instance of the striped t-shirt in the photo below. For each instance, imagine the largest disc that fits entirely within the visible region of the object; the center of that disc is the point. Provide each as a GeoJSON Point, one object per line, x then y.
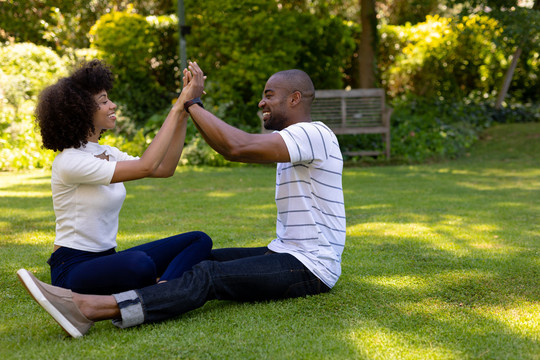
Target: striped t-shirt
{"type": "Point", "coordinates": [309, 197]}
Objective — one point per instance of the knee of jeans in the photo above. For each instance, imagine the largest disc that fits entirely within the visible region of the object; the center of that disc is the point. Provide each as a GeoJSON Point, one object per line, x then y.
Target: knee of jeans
{"type": "Point", "coordinates": [141, 267]}
{"type": "Point", "coordinates": [204, 240]}
{"type": "Point", "coordinates": [204, 266]}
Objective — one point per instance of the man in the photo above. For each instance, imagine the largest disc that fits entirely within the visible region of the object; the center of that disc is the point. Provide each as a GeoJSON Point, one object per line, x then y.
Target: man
{"type": "Point", "coordinates": [305, 257]}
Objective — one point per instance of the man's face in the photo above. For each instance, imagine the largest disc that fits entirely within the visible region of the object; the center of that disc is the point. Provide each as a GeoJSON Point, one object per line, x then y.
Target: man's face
{"type": "Point", "coordinates": [274, 105]}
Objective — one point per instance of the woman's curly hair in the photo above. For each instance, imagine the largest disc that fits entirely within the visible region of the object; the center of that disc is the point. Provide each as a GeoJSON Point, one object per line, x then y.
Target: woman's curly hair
{"type": "Point", "coordinates": [65, 110]}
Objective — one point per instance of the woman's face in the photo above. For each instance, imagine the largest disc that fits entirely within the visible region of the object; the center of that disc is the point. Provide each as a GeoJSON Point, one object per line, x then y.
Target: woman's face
{"type": "Point", "coordinates": [104, 117]}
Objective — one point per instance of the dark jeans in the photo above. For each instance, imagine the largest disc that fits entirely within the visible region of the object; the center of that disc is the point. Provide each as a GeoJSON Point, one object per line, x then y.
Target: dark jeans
{"type": "Point", "coordinates": [109, 271]}
{"type": "Point", "coordinates": [240, 274]}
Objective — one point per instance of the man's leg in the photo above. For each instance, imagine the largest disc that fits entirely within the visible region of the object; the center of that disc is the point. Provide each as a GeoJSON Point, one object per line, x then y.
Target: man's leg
{"type": "Point", "coordinates": [235, 253]}
{"type": "Point", "coordinates": [262, 277]}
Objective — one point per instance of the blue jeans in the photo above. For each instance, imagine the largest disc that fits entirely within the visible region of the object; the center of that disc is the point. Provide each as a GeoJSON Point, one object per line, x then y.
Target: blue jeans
{"type": "Point", "coordinates": [109, 271]}
{"type": "Point", "coordinates": [239, 274]}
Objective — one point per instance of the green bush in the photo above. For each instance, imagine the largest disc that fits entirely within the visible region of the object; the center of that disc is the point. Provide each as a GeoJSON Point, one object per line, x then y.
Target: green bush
{"type": "Point", "coordinates": [25, 69]}
{"type": "Point", "coordinates": [430, 129]}
{"type": "Point", "coordinates": [198, 152]}
{"type": "Point", "coordinates": [165, 63]}
{"type": "Point", "coordinates": [443, 57]}
{"type": "Point", "coordinates": [425, 129]}
{"type": "Point", "coordinates": [20, 144]}
{"type": "Point", "coordinates": [517, 113]}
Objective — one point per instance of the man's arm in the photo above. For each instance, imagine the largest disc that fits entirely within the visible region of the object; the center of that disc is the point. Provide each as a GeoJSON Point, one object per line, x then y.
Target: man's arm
{"type": "Point", "coordinates": [235, 144]}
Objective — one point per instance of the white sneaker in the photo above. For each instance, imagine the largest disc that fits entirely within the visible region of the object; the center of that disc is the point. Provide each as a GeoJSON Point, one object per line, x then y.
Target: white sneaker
{"type": "Point", "coordinates": [58, 302]}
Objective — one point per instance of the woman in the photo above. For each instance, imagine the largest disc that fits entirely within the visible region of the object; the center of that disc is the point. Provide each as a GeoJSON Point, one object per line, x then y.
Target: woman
{"type": "Point", "coordinates": [88, 191]}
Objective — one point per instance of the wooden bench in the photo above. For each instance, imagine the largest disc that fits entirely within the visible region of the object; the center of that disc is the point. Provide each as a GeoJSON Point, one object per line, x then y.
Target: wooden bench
{"type": "Point", "coordinates": [352, 112]}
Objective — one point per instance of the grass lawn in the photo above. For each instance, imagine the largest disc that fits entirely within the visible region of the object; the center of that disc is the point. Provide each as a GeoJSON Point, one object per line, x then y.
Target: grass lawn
{"type": "Point", "coordinates": [442, 261]}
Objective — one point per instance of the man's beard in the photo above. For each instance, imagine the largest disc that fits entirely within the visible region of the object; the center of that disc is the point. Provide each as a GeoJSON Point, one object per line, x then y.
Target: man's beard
{"type": "Point", "coordinates": [275, 122]}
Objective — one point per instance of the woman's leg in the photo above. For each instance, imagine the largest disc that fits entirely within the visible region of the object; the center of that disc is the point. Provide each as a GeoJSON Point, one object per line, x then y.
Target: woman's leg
{"type": "Point", "coordinates": [112, 273]}
{"type": "Point", "coordinates": [176, 254]}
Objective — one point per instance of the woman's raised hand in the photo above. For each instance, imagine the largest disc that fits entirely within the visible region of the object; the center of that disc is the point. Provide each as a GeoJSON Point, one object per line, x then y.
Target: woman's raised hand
{"type": "Point", "coordinates": [193, 80]}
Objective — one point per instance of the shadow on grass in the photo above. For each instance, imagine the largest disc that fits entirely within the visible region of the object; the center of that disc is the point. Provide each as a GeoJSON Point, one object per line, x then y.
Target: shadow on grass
{"type": "Point", "coordinates": [438, 251]}
{"type": "Point", "coordinates": [440, 259]}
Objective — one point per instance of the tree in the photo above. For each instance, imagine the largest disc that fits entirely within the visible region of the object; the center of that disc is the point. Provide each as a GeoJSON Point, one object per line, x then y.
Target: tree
{"type": "Point", "coordinates": [521, 30]}
{"type": "Point", "coordinates": [367, 62]}
{"type": "Point", "coordinates": [511, 69]}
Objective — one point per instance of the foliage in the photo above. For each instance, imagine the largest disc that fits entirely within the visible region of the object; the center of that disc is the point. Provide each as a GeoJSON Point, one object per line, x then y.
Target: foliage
{"type": "Point", "coordinates": [20, 21]}
{"type": "Point", "coordinates": [432, 129]}
{"type": "Point", "coordinates": [423, 130]}
{"type": "Point", "coordinates": [63, 25]}
{"type": "Point", "coordinates": [256, 39]}
{"type": "Point", "coordinates": [400, 12]}
{"type": "Point", "coordinates": [165, 62]}
{"type": "Point", "coordinates": [442, 57]}
{"type": "Point", "coordinates": [521, 28]}
{"type": "Point", "coordinates": [25, 69]}
{"type": "Point", "coordinates": [516, 113]}
{"type": "Point", "coordinates": [20, 144]}
{"type": "Point", "coordinates": [198, 152]}
{"type": "Point", "coordinates": [135, 146]}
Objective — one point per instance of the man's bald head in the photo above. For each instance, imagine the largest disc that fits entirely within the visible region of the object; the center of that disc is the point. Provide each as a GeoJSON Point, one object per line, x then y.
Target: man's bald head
{"type": "Point", "coordinates": [297, 80]}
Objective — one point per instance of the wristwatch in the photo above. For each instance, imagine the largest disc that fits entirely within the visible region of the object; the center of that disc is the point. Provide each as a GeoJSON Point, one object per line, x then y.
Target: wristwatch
{"type": "Point", "coordinates": [197, 101]}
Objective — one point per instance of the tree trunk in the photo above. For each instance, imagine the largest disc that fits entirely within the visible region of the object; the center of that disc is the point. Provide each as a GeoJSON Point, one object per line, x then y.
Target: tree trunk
{"type": "Point", "coordinates": [368, 42]}
{"type": "Point", "coordinates": [508, 78]}
{"type": "Point", "coordinates": [510, 72]}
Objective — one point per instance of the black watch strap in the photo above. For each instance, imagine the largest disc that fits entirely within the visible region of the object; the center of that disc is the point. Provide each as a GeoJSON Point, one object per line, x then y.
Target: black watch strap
{"type": "Point", "coordinates": [188, 103]}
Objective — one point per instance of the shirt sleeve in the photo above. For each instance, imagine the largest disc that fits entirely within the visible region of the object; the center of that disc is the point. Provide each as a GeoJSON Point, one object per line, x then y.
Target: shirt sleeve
{"type": "Point", "coordinates": [84, 168]}
{"type": "Point", "coordinates": [307, 142]}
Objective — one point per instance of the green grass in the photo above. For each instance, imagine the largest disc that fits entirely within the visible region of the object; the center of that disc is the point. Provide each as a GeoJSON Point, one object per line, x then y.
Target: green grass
{"type": "Point", "coordinates": [441, 262]}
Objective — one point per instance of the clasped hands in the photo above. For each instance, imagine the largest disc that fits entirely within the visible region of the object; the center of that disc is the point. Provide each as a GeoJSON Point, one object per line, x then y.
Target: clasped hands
{"type": "Point", "coordinates": [193, 80]}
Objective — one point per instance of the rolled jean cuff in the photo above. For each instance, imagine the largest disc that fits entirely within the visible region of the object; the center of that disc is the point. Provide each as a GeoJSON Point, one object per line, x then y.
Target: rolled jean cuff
{"type": "Point", "coordinates": [131, 309]}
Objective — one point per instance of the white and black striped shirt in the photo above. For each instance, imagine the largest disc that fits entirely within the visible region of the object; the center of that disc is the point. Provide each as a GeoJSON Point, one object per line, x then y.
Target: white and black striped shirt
{"type": "Point", "coordinates": [311, 222]}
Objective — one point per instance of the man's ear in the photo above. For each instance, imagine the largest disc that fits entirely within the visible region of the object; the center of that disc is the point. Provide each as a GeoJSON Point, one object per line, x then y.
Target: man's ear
{"type": "Point", "coordinates": [295, 98]}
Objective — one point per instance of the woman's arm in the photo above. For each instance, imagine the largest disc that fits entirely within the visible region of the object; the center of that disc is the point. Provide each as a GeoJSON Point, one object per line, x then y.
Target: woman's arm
{"type": "Point", "coordinates": [161, 157]}
{"type": "Point", "coordinates": [168, 165]}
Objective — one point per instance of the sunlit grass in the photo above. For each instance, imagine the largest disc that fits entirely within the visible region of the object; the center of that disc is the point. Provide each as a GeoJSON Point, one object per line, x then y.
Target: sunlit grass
{"type": "Point", "coordinates": [442, 261]}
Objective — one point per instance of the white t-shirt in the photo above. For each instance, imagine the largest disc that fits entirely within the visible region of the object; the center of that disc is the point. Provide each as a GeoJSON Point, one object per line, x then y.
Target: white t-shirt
{"type": "Point", "coordinates": [85, 202]}
{"type": "Point", "coordinates": [311, 222]}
